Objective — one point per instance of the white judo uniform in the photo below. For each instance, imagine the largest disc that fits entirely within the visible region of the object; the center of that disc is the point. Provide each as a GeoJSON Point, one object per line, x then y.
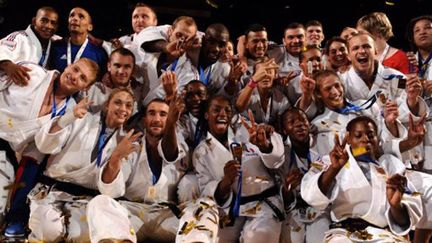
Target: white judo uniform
{"type": "Point", "coordinates": [257, 221]}
{"type": "Point", "coordinates": [288, 63]}
{"type": "Point", "coordinates": [57, 214]}
{"type": "Point", "coordinates": [145, 213]}
{"type": "Point", "coordinates": [19, 118]}
{"type": "Point", "coordinates": [357, 194]}
{"type": "Point", "coordinates": [303, 223]}
{"type": "Point", "coordinates": [24, 46]}
{"type": "Point", "coordinates": [276, 105]}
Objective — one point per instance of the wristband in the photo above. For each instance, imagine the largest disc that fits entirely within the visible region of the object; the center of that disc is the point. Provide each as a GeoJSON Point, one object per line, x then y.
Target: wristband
{"type": "Point", "coordinates": [252, 83]}
{"type": "Point", "coordinates": [66, 119]}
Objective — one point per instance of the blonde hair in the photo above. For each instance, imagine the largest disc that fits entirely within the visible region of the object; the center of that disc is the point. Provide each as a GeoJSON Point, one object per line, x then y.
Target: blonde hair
{"type": "Point", "coordinates": [376, 23]}
{"type": "Point", "coordinates": [93, 66]}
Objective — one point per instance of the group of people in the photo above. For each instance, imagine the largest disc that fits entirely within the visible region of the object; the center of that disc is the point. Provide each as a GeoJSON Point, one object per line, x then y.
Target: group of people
{"type": "Point", "coordinates": [167, 135]}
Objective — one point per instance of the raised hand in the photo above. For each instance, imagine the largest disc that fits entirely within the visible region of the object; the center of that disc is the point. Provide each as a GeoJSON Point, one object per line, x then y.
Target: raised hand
{"type": "Point", "coordinates": [176, 108]}
{"type": "Point", "coordinates": [413, 89]}
{"type": "Point", "coordinates": [395, 189]}
{"type": "Point", "coordinates": [126, 146]}
{"type": "Point", "coordinates": [237, 70]}
{"type": "Point", "coordinates": [416, 131]}
{"type": "Point", "coordinates": [307, 86]}
{"type": "Point", "coordinates": [81, 109]}
{"type": "Point", "coordinates": [339, 155]}
{"type": "Point", "coordinates": [116, 43]}
{"type": "Point", "coordinates": [17, 73]}
{"type": "Point", "coordinates": [169, 84]}
{"type": "Point", "coordinates": [391, 112]}
{"type": "Point", "coordinates": [284, 80]}
{"type": "Point", "coordinates": [262, 69]}
{"type": "Point", "coordinates": [259, 135]}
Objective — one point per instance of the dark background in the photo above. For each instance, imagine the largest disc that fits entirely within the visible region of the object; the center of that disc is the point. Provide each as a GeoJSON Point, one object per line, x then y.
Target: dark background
{"type": "Point", "coordinates": [113, 18]}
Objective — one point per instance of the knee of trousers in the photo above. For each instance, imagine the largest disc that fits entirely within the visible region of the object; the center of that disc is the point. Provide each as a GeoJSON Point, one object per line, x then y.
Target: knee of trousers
{"type": "Point", "coordinates": [46, 223]}
{"type": "Point", "coordinates": [107, 219]}
{"type": "Point", "coordinates": [187, 189]}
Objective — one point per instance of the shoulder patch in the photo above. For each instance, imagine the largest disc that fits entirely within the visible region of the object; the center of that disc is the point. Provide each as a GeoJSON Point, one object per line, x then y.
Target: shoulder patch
{"type": "Point", "coordinates": [9, 44]}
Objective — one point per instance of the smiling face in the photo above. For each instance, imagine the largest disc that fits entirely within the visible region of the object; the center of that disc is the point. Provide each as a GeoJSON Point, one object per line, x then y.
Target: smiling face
{"type": "Point", "coordinates": [294, 40]}
{"type": "Point", "coordinates": [362, 54]}
{"type": "Point", "coordinates": [119, 109]}
{"type": "Point", "coordinates": [45, 23]}
{"type": "Point", "coordinates": [256, 44]}
{"type": "Point", "coordinates": [218, 116]}
{"type": "Point", "coordinates": [79, 21]}
{"type": "Point", "coordinates": [314, 35]}
{"type": "Point", "coordinates": [338, 54]}
{"type": "Point", "coordinates": [312, 55]}
{"type": "Point", "coordinates": [155, 118]}
{"type": "Point", "coordinates": [77, 77]}
{"type": "Point", "coordinates": [143, 17]}
{"type": "Point", "coordinates": [296, 126]}
{"type": "Point", "coordinates": [331, 91]}
{"type": "Point", "coordinates": [120, 68]}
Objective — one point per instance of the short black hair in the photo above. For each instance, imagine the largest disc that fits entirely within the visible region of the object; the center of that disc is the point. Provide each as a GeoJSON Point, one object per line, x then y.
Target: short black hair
{"type": "Point", "coordinates": [254, 28]}
{"type": "Point", "coordinates": [364, 119]}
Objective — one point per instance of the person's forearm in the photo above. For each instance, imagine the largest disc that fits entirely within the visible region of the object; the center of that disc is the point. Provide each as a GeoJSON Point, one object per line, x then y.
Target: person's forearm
{"type": "Point", "coordinates": [169, 142]}
{"type": "Point", "coordinates": [326, 179]}
{"type": "Point", "coordinates": [154, 46]}
{"type": "Point", "coordinates": [400, 215]}
{"type": "Point", "coordinates": [111, 170]}
{"type": "Point", "coordinates": [244, 98]}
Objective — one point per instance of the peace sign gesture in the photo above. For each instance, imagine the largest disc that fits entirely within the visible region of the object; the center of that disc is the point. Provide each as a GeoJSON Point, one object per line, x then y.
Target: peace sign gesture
{"type": "Point", "coordinates": [259, 135]}
{"type": "Point", "coordinates": [339, 156]}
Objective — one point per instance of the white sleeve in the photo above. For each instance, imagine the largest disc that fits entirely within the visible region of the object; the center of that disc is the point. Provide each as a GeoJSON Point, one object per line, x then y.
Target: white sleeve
{"type": "Point", "coordinates": [10, 47]}
{"type": "Point", "coordinates": [207, 183]}
{"type": "Point", "coordinates": [310, 191]}
{"type": "Point", "coordinates": [52, 143]}
{"type": "Point", "coordinates": [276, 157]}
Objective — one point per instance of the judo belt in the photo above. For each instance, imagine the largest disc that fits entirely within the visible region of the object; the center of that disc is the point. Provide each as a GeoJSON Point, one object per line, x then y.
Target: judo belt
{"type": "Point", "coordinates": [174, 209]}
{"type": "Point", "coordinates": [353, 225]}
{"type": "Point", "coordinates": [67, 187]}
{"type": "Point", "coordinates": [263, 196]}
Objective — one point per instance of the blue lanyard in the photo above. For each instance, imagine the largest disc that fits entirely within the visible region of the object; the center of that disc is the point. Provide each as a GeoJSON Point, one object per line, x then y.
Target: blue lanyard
{"type": "Point", "coordinates": [294, 160]}
{"type": "Point", "coordinates": [237, 202]}
{"type": "Point", "coordinates": [353, 108]}
{"type": "Point", "coordinates": [54, 105]}
{"type": "Point", "coordinates": [101, 142]}
{"type": "Point", "coordinates": [392, 76]}
{"type": "Point", "coordinates": [174, 65]}
{"type": "Point", "coordinates": [423, 65]}
{"type": "Point", "coordinates": [205, 78]}
{"type": "Point", "coordinates": [155, 175]}
{"type": "Point", "coordinates": [366, 158]}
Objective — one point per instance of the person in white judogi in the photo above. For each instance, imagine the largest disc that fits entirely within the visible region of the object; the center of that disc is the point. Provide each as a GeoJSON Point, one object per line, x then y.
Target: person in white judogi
{"type": "Point", "coordinates": [164, 44]}
{"type": "Point", "coordinates": [287, 57]}
{"type": "Point", "coordinates": [370, 200]}
{"type": "Point", "coordinates": [32, 45]}
{"type": "Point", "coordinates": [143, 16]}
{"type": "Point", "coordinates": [24, 110]}
{"type": "Point", "coordinates": [149, 183]}
{"type": "Point", "coordinates": [303, 223]}
{"type": "Point", "coordinates": [335, 111]}
{"type": "Point", "coordinates": [261, 95]}
{"type": "Point", "coordinates": [78, 143]}
{"type": "Point", "coordinates": [200, 63]}
{"type": "Point", "coordinates": [235, 172]}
